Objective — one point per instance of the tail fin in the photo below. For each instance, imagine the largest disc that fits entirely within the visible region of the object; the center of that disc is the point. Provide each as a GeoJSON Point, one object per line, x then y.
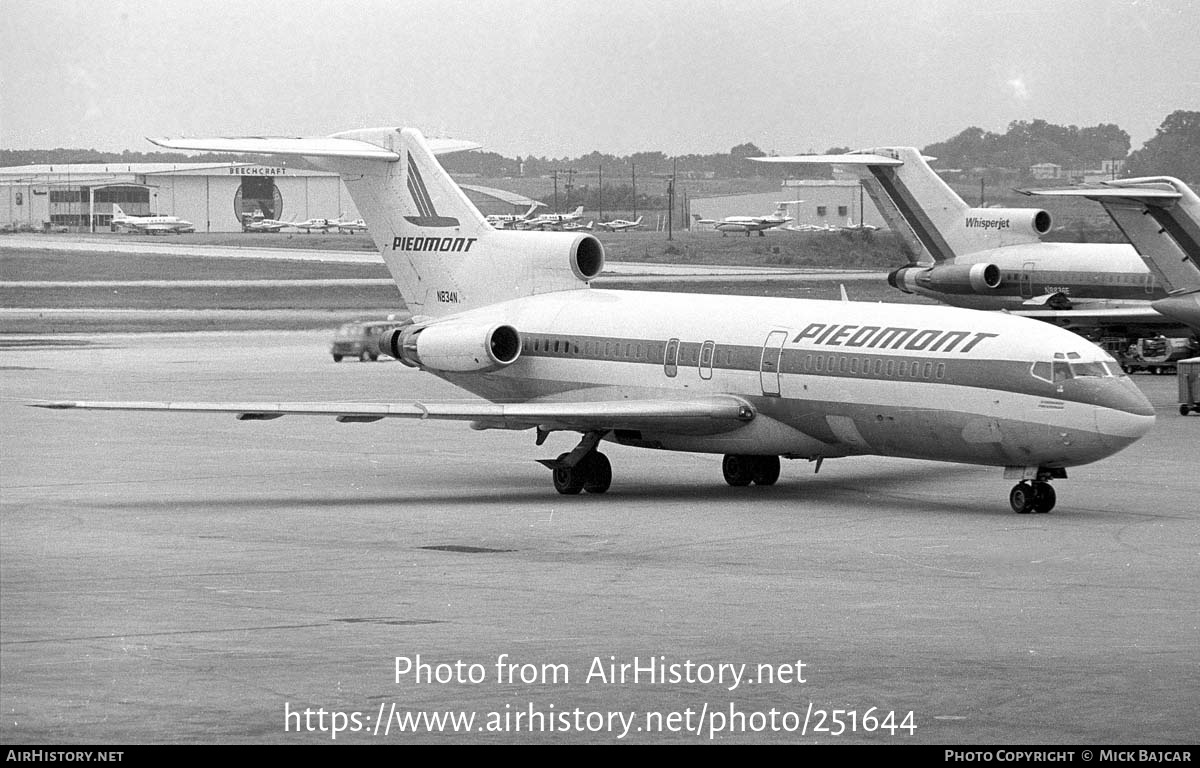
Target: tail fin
{"type": "Point", "coordinates": [117, 212]}
{"type": "Point", "coordinates": [929, 215]}
{"type": "Point", "coordinates": [442, 253]}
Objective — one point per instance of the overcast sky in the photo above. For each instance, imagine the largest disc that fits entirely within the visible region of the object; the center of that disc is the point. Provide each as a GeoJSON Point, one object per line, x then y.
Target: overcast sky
{"type": "Point", "coordinates": [565, 78]}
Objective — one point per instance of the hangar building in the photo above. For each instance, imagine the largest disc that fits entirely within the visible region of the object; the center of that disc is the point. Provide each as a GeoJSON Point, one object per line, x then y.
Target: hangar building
{"type": "Point", "coordinates": [213, 196]}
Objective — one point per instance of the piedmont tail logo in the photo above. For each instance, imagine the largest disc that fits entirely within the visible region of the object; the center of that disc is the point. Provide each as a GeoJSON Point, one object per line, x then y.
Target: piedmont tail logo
{"type": "Point", "coordinates": [420, 195]}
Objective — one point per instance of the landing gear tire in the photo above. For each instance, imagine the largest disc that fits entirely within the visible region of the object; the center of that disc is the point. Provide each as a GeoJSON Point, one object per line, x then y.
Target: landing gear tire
{"type": "Point", "coordinates": [1043, 497]}
{"type": "Point", "coordinates": [1184, 409]}
{"type": "Point", "coordinates": [766, 470]}
{"type": "Point", "coordinates": [738, 469]}
{"type": "Point", "coordinates": [568, 480]}
{"type": "Point", "coordinates": [598, 473]}
{"type": "Point", "coordinates": [1021, 498]}
{"type": "Point", "coordinates": [337, 358]}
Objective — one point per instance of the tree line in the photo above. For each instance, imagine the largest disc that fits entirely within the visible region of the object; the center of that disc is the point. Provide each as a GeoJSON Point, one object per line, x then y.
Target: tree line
{"type": "Point", "coordinates": [1173, 151]}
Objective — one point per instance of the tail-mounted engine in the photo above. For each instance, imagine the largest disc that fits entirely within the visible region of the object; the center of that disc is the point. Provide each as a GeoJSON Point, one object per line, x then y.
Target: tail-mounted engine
{"type": "Point", "coordinates": [455, 346]}
{"type": "Point", "coordinates": [947, 278]}
{"type": "Point", "coordinates": [1008, 221]}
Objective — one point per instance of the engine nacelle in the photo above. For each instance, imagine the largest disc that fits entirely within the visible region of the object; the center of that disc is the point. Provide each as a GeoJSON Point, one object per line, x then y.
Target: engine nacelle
{"type": "Point", "coordinates": [948, 278]}
{"type": "Point", "coordinates": [1019, 221]}
{"type": "Point", "coordinates": [455, 347]}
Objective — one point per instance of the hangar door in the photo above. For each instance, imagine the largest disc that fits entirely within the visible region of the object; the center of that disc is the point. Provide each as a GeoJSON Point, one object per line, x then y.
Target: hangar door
{"type": "Point", "coordinates": [257, 193]}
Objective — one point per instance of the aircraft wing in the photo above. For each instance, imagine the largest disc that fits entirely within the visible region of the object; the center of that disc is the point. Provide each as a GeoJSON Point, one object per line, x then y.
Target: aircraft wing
{"type": "Point", "coordinates": [1083, 316]}
{"type": "Point", "coordinates": [703, 416]}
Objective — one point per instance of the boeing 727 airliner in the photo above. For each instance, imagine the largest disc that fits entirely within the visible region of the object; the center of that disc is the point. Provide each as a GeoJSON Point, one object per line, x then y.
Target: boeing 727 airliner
{"type": "Point", "coordinates": [510, 316]}
{"type": "Point", "coordinates": [994, 258]}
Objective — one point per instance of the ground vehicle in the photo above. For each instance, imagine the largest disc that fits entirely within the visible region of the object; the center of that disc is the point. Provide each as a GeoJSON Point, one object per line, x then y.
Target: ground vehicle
{"type": "Point", "coordinates": [1157, 354]}
{"type": "Point", "coordinates": [361, 339]}
{"type": "Point", "coordinates": [1189, 386]}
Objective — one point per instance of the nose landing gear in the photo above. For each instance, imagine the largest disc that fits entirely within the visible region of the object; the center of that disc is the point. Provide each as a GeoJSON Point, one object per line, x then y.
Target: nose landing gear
{"type": "Point", "coordinates": [1027, 497]}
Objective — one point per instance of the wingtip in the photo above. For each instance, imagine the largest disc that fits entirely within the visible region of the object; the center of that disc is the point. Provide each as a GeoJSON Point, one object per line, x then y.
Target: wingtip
{"type": "Point", "coordinates": [54, 404]}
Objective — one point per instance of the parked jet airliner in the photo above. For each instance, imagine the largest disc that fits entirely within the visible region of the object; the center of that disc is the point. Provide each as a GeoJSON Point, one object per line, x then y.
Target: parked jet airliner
{"type": "Point", "coordinates": [1161, 217]}
{"type": "Point", "coordinates": [993, 258]}
{"type": "Point", "coordinates": [510, 316]}
{"type": "Point", "coordinates": [151, 225]}
{"type": "Point", "coordinates": [750, 224]}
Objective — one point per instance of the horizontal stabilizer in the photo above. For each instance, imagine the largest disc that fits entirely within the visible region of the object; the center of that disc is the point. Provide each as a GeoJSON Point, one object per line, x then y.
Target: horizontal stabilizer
{"type": "Point", "coordinates": [849, 159]}
{"type": "Point", "coordinates": [329, 146]}
{"type": "Point", "coordinates": [1143, 193]}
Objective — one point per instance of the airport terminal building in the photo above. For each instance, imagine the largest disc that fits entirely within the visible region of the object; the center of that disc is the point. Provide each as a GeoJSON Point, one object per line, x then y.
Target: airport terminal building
{"type": "Point", "coordinates": [213, 196]}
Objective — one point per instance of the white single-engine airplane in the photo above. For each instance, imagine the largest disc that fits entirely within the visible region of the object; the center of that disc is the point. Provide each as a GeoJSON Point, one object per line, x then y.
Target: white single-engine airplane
{"type": "Point", "coordinates": [994, 258]}
{"type": "Point", "coordinates": [151, 225]}
{"type": "Point", "coordinates": [621, 225]}
{"type": "Point", "coordinates": [750, 224]}
{"type": "Point", "coordinates": [509, 316]}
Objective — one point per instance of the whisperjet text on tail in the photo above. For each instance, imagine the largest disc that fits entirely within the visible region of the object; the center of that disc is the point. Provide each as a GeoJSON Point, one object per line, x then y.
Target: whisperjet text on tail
{"type": "Point", "coordinates": [509, 316]}
{"type": "Point", "coordinates": [993, 258]}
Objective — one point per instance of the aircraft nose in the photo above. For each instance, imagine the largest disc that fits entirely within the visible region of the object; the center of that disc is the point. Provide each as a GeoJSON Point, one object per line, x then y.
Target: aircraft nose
{"type": "Point", "coordinates": [1123, 414]}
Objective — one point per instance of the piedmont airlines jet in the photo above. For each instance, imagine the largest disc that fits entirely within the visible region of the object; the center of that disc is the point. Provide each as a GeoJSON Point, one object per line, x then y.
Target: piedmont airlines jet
{"type": "Point", "coordinates": [993, 258]}
{"type": "Point", "coordinates": [509, 316]}
{"type": "Point", "coordinates": [151, 225]}
{"type": "Point", "coordinates": [1161, 217]}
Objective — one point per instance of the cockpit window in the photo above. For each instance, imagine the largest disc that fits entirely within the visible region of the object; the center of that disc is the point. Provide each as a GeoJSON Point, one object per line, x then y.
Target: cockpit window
{"type": "Point", "coordinates": [1090, 369]}
{"type": "Point", "coordinates": [1061, 370]}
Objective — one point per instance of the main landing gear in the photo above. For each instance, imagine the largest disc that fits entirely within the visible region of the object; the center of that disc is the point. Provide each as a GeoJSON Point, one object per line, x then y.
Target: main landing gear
{"type": "Point", "coordinates": [742, 469]}
{"type": "Point", "coordinates": [1036, 496]}
{"type": "Point", "coordinates": [583, 469]}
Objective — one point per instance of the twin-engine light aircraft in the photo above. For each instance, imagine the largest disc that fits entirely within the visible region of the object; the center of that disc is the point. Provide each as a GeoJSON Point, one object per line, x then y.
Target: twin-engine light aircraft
{"type": "Point", "coordinates": [994, 258]}
{"type": "Point", "coordinates": [510, 316]}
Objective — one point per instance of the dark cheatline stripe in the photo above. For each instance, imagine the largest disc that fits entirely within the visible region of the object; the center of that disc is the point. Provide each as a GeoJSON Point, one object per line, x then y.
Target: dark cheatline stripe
{"type": "Point", "coordinates": [904, 201]}
{"type": "Point", "coordinates": [1004, 376]}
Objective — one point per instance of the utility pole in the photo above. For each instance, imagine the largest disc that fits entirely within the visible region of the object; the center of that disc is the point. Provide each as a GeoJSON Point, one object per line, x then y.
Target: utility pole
{"type": "Point", "coordinates": [601, 193]}
{"type": "Point", "coordinates": [568, 185]}
{"type": "Point", "coordinates": [671, 200]}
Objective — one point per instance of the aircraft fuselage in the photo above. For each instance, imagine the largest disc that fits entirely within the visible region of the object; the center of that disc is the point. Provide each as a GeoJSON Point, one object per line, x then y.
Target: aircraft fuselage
{"type": "Point", "coordinates": [825, 378]}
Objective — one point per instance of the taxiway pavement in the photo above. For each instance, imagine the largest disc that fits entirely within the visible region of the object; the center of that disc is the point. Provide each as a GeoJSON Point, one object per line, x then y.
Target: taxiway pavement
{"type": "Point", "coordinates": [195, 579]}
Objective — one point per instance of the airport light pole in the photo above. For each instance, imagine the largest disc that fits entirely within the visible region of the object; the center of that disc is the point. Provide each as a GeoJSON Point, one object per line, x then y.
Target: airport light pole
{"type": "Point", "coordinates": [633, 168]}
